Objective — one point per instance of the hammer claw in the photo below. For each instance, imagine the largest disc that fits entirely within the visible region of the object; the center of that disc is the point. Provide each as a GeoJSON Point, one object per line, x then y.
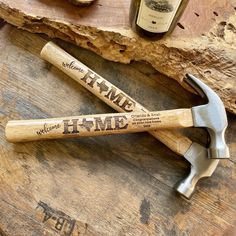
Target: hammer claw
{"type": "Point", "coordinates": [212, 116]}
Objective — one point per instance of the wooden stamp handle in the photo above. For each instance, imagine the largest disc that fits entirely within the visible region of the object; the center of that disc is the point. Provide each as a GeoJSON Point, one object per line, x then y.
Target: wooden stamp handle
{"type": "Point", "coordinates": [94, 125]}
{"type": "Point", "coordinates": [113, 96]}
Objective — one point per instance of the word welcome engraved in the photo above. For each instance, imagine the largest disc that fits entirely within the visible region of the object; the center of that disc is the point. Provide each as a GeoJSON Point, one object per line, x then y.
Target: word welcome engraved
{"type": "Point", "coordinates": [105, 124]}
{"type": "Point", "coordinates": [93, 80]}
{"type": "Point", "coordinates": [72, 65]}
{"type": "Point", "coordinates": [46, 128]}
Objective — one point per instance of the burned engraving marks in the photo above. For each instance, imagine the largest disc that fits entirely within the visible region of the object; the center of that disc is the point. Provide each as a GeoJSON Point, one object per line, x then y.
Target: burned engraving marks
{"type": "Point", "coordinates": [104, 124]}
{"type": "Point", "coordinates": [92, 124]}
{"type": "Point", "coordinates": [47, 128]}
{"type": "Point", "coordinates": [57, 220]}
{"type": "Point", "coordinates": [87, 124]}
{"type": "Point", "coordinates": [72, 65]}
{"type": "Point", "coordinates": [71, 123]}
{"type": "Point", "coordinates": [100, 124]}
{"type": "Point", "coordinates": [146, 120]}
{"type": "Point", "coordinates": [104, 88]}
{"type": "Point", "coordinates": [95, 124]}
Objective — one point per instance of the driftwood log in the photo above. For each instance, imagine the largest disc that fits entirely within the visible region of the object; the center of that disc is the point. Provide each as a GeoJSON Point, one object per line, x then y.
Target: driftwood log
{"type": "Point", "coordinates": [203, 42]}
{"type": "Point", "coordinates": [111, 185]}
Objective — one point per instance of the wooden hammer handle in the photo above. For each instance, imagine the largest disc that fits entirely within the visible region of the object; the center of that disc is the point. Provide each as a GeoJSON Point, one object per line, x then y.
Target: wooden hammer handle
{"type": "Point", "coordinates": [94, 125]}
{"type": "Point", "coordinates": [96, 84]}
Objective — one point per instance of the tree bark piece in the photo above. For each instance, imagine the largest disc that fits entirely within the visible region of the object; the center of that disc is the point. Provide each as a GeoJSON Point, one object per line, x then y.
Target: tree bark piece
{"type": "Point", "coordinates": [203, 43]}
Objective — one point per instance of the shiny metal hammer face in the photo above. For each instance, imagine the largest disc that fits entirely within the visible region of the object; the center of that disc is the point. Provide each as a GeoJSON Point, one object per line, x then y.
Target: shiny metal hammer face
{"type": "Point", "coordinates": [212, 116]}
{"type": "Point", "coordinates": [201, 166]}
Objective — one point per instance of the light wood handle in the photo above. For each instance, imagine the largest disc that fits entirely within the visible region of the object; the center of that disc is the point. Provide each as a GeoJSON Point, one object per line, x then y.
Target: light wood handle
{"type": "Point", "coordinates": [94, 125]}
{"type": "Point", "coordinates": [113, 96]}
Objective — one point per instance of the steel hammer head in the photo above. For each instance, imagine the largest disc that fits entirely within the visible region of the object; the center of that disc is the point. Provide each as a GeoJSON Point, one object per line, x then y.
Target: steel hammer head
{"type": "Point", "coordinates": [212, 116]}
{"type": "Point", "coordinates": [201, 166]}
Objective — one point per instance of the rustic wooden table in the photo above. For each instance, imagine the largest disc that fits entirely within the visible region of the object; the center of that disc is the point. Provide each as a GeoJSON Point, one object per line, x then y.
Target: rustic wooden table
{"type": "Point", "coordinates": [111, 185]}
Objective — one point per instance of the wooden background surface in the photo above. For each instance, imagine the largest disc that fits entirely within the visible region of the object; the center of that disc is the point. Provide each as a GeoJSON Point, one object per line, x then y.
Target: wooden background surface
{"type": "Point", "coordinates": [203, 42]}
{"type": "Point", "coordinates": [114, 185]}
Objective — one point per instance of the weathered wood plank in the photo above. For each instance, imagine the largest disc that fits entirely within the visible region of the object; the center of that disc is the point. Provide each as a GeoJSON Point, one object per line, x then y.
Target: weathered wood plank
{"type": "Point", "coordinates": [115, 185]}
{"type": "Point", "coordinates": [204, 45]}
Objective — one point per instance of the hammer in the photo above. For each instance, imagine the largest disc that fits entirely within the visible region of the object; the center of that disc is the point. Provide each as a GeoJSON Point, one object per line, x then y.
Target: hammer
{"type": "Point", "coordinates": [196, 154]}
{"type": "Point", "coordinates": [212, 116]}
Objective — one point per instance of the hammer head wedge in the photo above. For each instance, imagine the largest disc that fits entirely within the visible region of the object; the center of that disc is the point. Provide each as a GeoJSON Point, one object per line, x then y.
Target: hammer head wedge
{"type": "Point", "coordinates": [212, 116]}
{"type": "Point", "coordinates": [201, 166]}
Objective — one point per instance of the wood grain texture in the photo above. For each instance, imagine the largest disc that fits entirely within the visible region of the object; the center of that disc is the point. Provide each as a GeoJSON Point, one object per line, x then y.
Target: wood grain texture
{"type": "Point", "coordinates": [116, 185]}
{"type": "Point", "coordinates": [203, 45]}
